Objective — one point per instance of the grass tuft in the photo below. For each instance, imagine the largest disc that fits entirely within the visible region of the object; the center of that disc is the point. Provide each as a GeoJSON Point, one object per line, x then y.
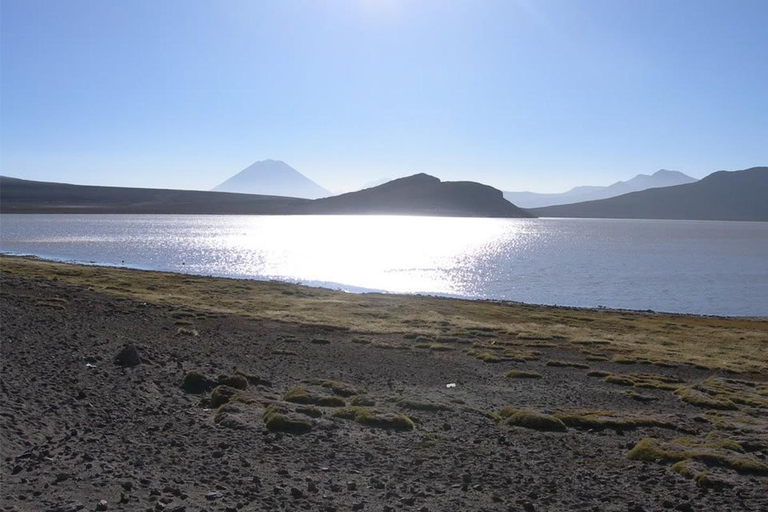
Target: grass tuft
{"type": "Point", "coordinates": [521, 374]}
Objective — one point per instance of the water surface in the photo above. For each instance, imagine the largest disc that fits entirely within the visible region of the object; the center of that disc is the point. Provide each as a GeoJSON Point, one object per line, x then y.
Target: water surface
{"type": "Point", "coordinates": [700, 267]}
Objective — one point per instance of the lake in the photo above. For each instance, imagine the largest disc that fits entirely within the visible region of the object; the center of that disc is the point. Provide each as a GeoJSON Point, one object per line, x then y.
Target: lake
{"type": "Point", "coordinates": [702, 267]}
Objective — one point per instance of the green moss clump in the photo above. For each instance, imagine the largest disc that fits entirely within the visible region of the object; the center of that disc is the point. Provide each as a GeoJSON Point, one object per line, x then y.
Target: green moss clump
{"type": "Point", "coordinates": [310, 410]}
{"type": "Point", "coordinates": [567, 364]}
{"type": "Point", "coordinates": [300, 395]}
{"type": "Point", "coordinates": [361, 341]}
{"type": "Point", "coordinates": [331, 401]}
{"type": "Point", "coordinates": [437, 347]}
{"type": "Point", "coordinates": [641, 397]}
{"type": "Point", "coordinates": [535, 421]}
{"type": "Point", "coordinates": [620, 380]}
{"type": "Point", "coordinates": [196, 382]}
{"type": "Point", "coordinates": [648, 449]}
{"type": "Point", "coordinates": [521, 374]}
{"type": "Point", "coordinates": [363, 401]}
{"type": "Point", "coordinates": [276, 420]}
{"type": "Point", "coordinates": [593, 357]}
{"type": "Point", "coordinates": [222, 395]}
{"type": "Point", "coordinates": [484, 355]}
{"type": "Point", "coordinates": [699, 399]}
{"type": "Point", "coordinates": [603, 420]}
{"type": "Point", "coordinates": [513, 354]}
{"type": "Point", "coordinates": [375, 418]}
{"type": "Point", "coordinates": [598, 373]}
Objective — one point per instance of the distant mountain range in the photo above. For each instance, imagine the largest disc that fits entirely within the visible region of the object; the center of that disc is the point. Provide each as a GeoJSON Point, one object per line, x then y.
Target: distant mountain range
{"type": "Point", "coordinates": [272, 178]}
{"type": "Point", "coordinates": [662, 178]}
{"type": "Point", "coordinates": [416, 195]}
{"type": "Point", "coordinates": [723, 195]}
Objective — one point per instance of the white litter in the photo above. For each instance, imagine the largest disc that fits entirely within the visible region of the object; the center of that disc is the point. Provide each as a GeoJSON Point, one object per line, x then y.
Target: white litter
{"type": "Point", "coordinates": [451, 385]}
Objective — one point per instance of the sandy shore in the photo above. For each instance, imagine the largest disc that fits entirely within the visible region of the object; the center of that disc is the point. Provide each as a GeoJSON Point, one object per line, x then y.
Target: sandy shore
{"type": "Point", "coordinates": [240, 395]}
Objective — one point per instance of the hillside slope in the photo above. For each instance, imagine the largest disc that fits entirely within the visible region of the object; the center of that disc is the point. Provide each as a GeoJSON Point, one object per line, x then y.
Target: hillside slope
{"type": "Point", "coordinates": [25, 196]}
{"type": "Point", "coordinates": [422, 194]}
{"type": "Point", "coordinates": [723, 195]}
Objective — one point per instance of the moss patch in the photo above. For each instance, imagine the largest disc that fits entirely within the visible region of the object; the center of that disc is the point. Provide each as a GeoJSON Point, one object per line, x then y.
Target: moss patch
{"type": "Point", "coordinates": [649, 449]}
{"type": "Point", "coordinates": [699, 399]}
{"type": "Point", "coordinates": [603, 420]}
{"type": "Point", "coordinates": [222, 395]}
{"type": "Point", "coordinates": [568, 364]}
{"type": "Point", "coordinates": [278, 419]}
{"type": "Point", "coordinates": [375, 418]}
{"type": "Point", "coordinates": [531, 419]}
{"type": "Point", "coordinates": [301, 395]}
{"type": "Point", "coordinates": [521, 374]}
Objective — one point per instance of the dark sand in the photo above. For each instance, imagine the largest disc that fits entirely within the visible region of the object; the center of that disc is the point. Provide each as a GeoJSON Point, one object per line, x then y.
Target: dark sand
{"type": "Point", "coordinates": [78, 428]}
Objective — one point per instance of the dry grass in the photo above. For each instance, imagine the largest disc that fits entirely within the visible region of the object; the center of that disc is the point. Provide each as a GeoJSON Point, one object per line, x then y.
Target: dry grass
{"type": "Point", "coordinates": [737, 344]}
{"type": "Point", "coordinates": [653, 450]}
{"type": "Point", "coordinates": [521, 374]}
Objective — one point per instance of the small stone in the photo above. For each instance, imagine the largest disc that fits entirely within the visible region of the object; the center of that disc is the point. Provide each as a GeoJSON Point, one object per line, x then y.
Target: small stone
{"type": "Point", "coordinates": [102, 505]}
{"type": "Point", "coordinates": [212, 496]}
{"type": "Point", "coordinates": [296, 493]}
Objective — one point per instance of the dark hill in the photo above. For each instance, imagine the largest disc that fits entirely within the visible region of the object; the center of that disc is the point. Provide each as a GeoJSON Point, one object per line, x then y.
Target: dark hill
{"type": "Point", "coordinates": [723, 195]}
{"type": "Point", "coordinates": [416, 195]}
{"type": "Point", "coordinates": [24, 196]}
{"type": "Point", "coordinates": [422, 194]}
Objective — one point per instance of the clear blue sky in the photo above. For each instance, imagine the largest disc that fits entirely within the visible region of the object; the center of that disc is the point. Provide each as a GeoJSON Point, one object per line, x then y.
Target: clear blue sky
{"type": "Point", "coordinates": [520, 94]}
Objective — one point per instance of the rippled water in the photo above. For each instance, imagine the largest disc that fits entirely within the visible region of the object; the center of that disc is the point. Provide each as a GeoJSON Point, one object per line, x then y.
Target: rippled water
{"type": "Point", "coordinates": [678, 266]}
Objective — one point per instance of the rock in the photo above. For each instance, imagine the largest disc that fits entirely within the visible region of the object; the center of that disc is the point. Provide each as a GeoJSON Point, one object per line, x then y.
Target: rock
{"type": "Point", "coordinates": [102, 505]}
{"type": "Point", "coordinates": [212, 496]}
{"type": "Point", "coordinates": [320, 341]}
{"type": "Point", "coordinates": [233, 381]}
{"type": "Point", "coordinates": [296, 493]}
{"type": "Point", "coordinates": [128, 357]}
{"type": "Point", "coordinates": [196, 382]}
{"type": "Point", "coordinates": [72, 506]}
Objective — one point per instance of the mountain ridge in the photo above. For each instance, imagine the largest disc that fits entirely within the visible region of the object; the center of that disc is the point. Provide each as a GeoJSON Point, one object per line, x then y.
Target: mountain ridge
{"type": "Point", "coordinates": [661, 178]}
{"type": "Point", "coordinates": [420, 194]}
{"type": "Point", "coordinates": [723, 195]}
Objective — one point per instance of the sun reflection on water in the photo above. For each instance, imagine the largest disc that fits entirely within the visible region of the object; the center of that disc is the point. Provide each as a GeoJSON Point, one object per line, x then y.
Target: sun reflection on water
{"type": "Point", "coordinates": [402, 254]}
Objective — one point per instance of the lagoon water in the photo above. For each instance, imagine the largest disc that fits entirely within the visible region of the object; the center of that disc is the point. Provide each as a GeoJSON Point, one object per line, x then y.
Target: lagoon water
{"type": "Point", "coordinates": [702, 267]}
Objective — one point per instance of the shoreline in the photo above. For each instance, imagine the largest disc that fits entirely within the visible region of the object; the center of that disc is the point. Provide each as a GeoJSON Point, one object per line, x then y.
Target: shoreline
{"type": "Point", "coordinates": [339, 287]}
{"type": "Point", "coordinates": [397, 313]}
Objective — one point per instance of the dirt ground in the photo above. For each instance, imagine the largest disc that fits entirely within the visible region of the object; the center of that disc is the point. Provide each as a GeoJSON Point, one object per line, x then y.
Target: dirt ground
{"type": "Point", "coordinates": [333, 419]}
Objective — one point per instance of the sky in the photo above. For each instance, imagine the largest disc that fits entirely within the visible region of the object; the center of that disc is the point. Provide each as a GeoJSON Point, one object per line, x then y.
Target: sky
{"type": "Point", "coordinates": [538, 95]}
